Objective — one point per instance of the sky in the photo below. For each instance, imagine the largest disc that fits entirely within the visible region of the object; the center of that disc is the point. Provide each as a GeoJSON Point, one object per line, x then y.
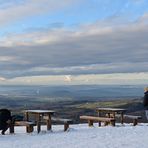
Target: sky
{"type": "Point", "coordinates": [73, 42]}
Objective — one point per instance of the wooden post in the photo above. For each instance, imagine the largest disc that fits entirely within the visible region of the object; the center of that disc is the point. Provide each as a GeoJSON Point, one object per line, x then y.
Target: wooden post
{"type": "Point", "coordinates": [27, 119]}
{"type": "Point", "coordinates": [135, 122]}
{"type": "Point", "coordinates": [11, 128]}
{"type": "Point", "coordinates": [105, 123]}
{"type": "Point", "coordinates": [29, 128]}
{"type": "Point", "coordinates": [108, 115]}
{"type": "Point", "coordinates": [38, 123]}
{"type": "Point", "coordinates": [48, 122]}
{"type": "Point", "coordinates": [122, 118]}
{"type": "Point", "coordinates": [112, 123]}
{"type": "Point", "coordinates": [113, 115]}
{"type": "Point", "coordinates": [26, 116]}
{"type": "Point", "coordinates": [90, 122]}
{"type": "Point", "coordinates": [99, 123]}
{"type": "Point", "coordinates": [66, 126]}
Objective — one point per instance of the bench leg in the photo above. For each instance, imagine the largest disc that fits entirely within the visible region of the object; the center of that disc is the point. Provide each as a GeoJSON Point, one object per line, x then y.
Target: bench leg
{"type": "Point", "coordinates": [11, 129]}
{"type": "Point", "coordinates": [90, 123]}
{"type": "Point", "coordinates": [122, 118]}
{"type": "Point", "coordinates": [29, 129]}
{"type": "Point", "coordinates": [112, 123]}
{"type": "Point", "coordinates": [135, 122]}
{"type": "Point", "coordinates": [38, 123]}
{"type": "Point", "coordinates": [48, 122]}
{"type": "Point", "coordinates": [106, 123]}
{"type": "Point", "coordinates": [99, 123]}
{"type": "Point", "coordinates": [66, 126]}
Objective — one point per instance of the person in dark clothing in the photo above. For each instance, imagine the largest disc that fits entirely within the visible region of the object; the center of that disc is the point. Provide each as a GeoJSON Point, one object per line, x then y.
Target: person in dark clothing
{"type": "Point", "coordinates": [5, 120]}
{"type": "Point", "coordinates": [145, 101]}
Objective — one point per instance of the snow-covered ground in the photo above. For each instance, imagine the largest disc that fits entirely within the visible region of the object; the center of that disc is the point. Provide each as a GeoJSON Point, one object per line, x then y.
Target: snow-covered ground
{"type": "Point", "coordinates": [79, 136]}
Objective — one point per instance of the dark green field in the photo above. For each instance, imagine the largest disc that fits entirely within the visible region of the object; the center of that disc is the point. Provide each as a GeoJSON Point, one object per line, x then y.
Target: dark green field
{"type": "Point", "coordinates": [69, 108]}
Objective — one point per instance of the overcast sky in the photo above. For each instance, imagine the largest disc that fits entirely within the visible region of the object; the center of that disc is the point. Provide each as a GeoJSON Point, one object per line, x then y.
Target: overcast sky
{"type": "Point", "coordinates": [73, 41]}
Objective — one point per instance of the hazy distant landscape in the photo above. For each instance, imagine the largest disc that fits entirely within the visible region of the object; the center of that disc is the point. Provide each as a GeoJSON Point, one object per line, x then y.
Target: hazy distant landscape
{"type": "Point", "coordinates": [78, 92]}
{"type": "Point", "coordinates": [71, 101]}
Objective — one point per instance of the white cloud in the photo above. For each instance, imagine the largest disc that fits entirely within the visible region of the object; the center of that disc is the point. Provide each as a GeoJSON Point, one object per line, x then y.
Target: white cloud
{"type": "Point", "coordinates": [6, 58]}
{"type": "Point", "coordinates": [68, 78]}
{"type": "Point", "coordinates": [2, 79]}
{"type": "Point", "coordinates": [101, 79]}
{"type": "Point", "coordinates": [98, 48]}
{"type": "Point", "coordinates": [13, 11]}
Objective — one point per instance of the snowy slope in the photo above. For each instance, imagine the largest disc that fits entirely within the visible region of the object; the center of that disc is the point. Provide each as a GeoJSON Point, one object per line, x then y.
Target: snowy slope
{"type": "Point", "coordinates": [79, 136]}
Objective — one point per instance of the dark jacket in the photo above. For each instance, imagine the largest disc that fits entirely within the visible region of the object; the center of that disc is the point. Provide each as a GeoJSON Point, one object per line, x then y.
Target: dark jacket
{"type": "Point", "coordinates": [5, 115]}
{"type": "Point", "coordinates": [145, 100]}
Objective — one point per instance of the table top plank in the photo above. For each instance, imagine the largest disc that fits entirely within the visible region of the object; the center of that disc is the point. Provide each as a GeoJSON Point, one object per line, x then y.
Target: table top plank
{"type": "Point", "coordinates": [40, 111]}
{"type": "Point", "coordinates": [111, 109]}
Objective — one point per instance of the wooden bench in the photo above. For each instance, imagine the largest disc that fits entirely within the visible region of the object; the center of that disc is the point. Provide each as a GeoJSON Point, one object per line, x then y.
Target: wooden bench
{"type": "Point", "coordinates": [66, 122]}
{"type": "Point", "coordinates": [29, 126]}
{"type": "Point", "coordinates": [133, 117]}
{"type": "Point", "coordinates": [91, 119]}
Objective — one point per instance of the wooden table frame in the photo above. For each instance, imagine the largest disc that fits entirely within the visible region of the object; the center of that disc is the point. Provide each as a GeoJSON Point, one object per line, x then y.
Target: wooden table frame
{"type": "Point", "coordinates": [112, 111]}
{"type": "Point", "coordinates": [38, 116]}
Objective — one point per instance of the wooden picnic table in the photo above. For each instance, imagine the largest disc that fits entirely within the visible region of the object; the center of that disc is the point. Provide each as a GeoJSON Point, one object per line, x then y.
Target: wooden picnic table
{"type": "Point", "coordinates": [38, 117]}
{"type": "Point", "coordinates": [112, 112]}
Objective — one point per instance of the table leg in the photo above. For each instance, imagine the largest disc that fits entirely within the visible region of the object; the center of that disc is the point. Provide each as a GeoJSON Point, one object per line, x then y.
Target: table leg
{"type": "Point", "coordinates": [99, 114]}
{"type": "Point", "coordinates": [49, 122]}
{"type": "Point", "coordinates": [27, 119]}
{"type": "Point", "coordinates": [114, 115]}
{"type": "Point", "coordinates": [121, 118]}
{"type": "Point", "coordinates": [38, 123]}
{"type": "Point", "coordinates": [108, 115]}
{"type": "Point", "coordinates": [26, 116]}
{"type": "Point", "coordinates": [11, 128]}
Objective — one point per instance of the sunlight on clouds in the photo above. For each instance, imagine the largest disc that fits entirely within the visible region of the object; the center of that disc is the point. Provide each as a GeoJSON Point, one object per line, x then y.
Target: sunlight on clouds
{"type": "Point", "coordinates": [2, 79]}
{"type": "Point", "coordinates": [50, 36]}
{"type": "Point", "coordinates": [97, 79]}
{"type": "Point", "coordinates": [6, 58]}
{"type": "Point", "coordinates": [68, 78]}
{"type": "Point", "coordinates": [17, 11]}
{"type": "Point", "coordinates": [34, 38]}
{"type": "Point", "coordinates": [93, 51]}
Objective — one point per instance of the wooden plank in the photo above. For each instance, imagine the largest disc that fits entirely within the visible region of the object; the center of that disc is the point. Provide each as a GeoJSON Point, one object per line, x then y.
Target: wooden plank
{"type": "Point", "coordinates": [66, 122]}
{"type": "Point", "coordinates": [29, 126]}
{"type": "Point", "coordinates": [24, 123]}
{"type": "Point", "coordinates": [61, 120]}
{"type": "Point", "coordinates": [90, 120]}
{"type": "Point", "coordinates": [133, 116]}
{"type": "Point", "coordinates": [111, 109]}
{"type": "Point", "coordinates": [129, 116]}
{"type": "Point", "coordinates": [57, 119]}
{"type": "Point", "coordinates": [97, 118]}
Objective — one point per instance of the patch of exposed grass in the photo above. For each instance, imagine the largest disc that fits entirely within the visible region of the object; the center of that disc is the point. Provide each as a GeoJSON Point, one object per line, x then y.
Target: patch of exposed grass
{"type": "Point", "coordinates": [93, 105]}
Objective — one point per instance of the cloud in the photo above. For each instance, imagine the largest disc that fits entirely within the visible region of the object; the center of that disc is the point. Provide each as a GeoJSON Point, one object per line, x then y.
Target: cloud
{"type": "Point", "coordinates": [2, 79]}
{"type": "Point", "coordinates": [6, 58]}
{"type": "Point", "coordinates": [12, 11]}
{"type": "Point", "coordinates": [68, 78]}
{"type": "Point", "coordinates": [101, 47]}
{"type": "Point", "coordinates": [94, 79]}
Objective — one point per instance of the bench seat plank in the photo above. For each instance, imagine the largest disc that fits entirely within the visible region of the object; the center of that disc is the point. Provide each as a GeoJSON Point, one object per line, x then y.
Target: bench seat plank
{"type": "Point", "coordinates": [24, 123]}
{"type": "Point", "coordinates": [133, 117]}
{"type": "Point", "coordinates": [66, 122]}
{"type": "Point", "coordinates": [29, 126]}
{"type": "Point", "coordinates": [99, 119]}
{"type": "Point", "coordinates": [61, 120]}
